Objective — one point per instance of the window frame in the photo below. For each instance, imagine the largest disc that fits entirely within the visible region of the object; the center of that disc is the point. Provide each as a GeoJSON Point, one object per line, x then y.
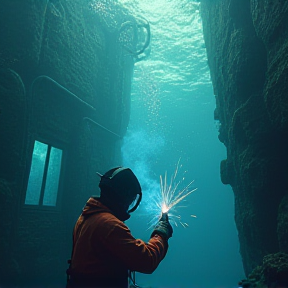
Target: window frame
{"type": "Point", "coordinates": [50, 144]}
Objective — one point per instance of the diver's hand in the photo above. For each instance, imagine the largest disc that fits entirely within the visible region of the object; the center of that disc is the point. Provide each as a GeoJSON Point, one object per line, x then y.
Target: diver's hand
{"type": "Point", "coordinates": [163, 228]}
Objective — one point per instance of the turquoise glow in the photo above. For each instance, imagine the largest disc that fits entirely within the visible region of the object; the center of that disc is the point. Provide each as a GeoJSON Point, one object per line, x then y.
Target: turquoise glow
{"type": "Point", "coordinates": [44, 175]}
{"type": "Point", "coordinates": [172, 117]}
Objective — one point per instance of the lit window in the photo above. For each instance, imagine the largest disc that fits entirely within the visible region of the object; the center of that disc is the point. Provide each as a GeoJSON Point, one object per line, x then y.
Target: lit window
{"type": "Point", "coordinates": [44, 175]}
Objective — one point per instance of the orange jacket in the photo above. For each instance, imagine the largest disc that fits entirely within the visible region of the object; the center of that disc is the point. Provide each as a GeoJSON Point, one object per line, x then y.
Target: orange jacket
{"type": "Point", "coordinates": [104, 247]}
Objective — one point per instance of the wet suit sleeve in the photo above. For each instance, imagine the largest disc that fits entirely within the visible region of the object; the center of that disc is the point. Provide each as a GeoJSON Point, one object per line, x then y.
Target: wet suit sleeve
{"type": "Point", "coordinates": [135, 254]}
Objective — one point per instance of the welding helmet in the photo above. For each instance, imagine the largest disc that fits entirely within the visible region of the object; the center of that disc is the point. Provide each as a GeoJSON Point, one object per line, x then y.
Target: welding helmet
{"type": "Point", "coordinates": [120, 191]}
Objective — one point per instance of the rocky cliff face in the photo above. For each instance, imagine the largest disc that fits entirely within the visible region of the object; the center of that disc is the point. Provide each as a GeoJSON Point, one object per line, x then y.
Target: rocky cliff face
{"type": "Point", "coordinates": [247, 48]}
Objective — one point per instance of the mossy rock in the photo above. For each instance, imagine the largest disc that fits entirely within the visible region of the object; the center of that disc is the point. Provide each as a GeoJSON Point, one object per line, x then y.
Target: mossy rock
{"type": "Point", "coordinates": [271, 274]}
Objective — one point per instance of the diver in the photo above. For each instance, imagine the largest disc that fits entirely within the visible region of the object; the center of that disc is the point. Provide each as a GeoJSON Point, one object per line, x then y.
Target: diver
{"type": "Point", "coordinates": [104, 251]}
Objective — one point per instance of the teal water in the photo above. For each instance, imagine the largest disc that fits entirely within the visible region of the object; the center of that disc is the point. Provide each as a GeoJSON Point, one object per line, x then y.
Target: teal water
{"type": "Point", "coordinates": [172, 118]}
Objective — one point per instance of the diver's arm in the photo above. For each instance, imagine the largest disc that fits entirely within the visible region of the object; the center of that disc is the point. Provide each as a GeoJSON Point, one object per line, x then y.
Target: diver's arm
{"type": "Point", "coordinates": [135, 254]}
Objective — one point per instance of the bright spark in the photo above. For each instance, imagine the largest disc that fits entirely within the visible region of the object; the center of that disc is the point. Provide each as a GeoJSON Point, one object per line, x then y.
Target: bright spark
{"type": "Point", "coordinates": [171, 196]}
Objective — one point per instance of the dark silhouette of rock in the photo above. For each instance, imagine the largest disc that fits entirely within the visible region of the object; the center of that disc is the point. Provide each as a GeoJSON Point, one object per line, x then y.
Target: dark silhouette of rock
{"type": "Point", "coordinates": [247, 48]}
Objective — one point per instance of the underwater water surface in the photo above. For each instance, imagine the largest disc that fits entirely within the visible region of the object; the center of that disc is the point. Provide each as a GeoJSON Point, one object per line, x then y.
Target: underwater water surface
{"type": "Point", "coordinates": [172, 118]}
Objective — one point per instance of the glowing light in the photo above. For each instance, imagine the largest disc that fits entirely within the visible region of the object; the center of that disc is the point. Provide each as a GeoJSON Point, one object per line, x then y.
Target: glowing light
{"type": "Point", "coordinates": [171, 195]}
{"type": "Point", "coordinates": [164, 209]}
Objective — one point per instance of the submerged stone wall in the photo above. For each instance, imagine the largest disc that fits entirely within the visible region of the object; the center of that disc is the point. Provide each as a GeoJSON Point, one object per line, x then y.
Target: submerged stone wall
{"type": "Point", "coordinates": [81, 104]}
{"type": "Point", "coordinates": [247, 48]}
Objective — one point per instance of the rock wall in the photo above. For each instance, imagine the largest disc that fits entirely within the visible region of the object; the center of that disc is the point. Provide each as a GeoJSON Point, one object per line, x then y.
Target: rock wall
{"type": "Point", "coordinates": [247, 49]}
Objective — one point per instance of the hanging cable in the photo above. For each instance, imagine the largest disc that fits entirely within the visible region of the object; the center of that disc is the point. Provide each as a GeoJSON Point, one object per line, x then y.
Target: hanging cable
{"type": "Point", "coordinates": [132, 277]}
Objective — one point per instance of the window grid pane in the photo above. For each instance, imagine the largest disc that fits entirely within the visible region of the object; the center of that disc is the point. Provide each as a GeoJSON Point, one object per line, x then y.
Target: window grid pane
{"type": "Point", "coordinates": [36, 173]}
{"type": "Point", "coordinates": [52, 180]}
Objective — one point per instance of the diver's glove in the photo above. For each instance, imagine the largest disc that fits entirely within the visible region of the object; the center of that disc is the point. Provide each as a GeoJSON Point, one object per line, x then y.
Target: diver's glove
{"type": "Point", "coordinates": [163, 228]}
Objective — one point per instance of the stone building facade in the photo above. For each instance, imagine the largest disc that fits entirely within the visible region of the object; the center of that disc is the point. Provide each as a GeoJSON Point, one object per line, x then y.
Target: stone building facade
{"type": "Point", "coordinates": [65, 77]}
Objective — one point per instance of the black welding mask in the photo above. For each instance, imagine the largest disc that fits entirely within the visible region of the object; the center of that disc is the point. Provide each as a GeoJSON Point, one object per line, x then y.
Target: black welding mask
{"type": "Point", "coordinates": [120, 191]}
